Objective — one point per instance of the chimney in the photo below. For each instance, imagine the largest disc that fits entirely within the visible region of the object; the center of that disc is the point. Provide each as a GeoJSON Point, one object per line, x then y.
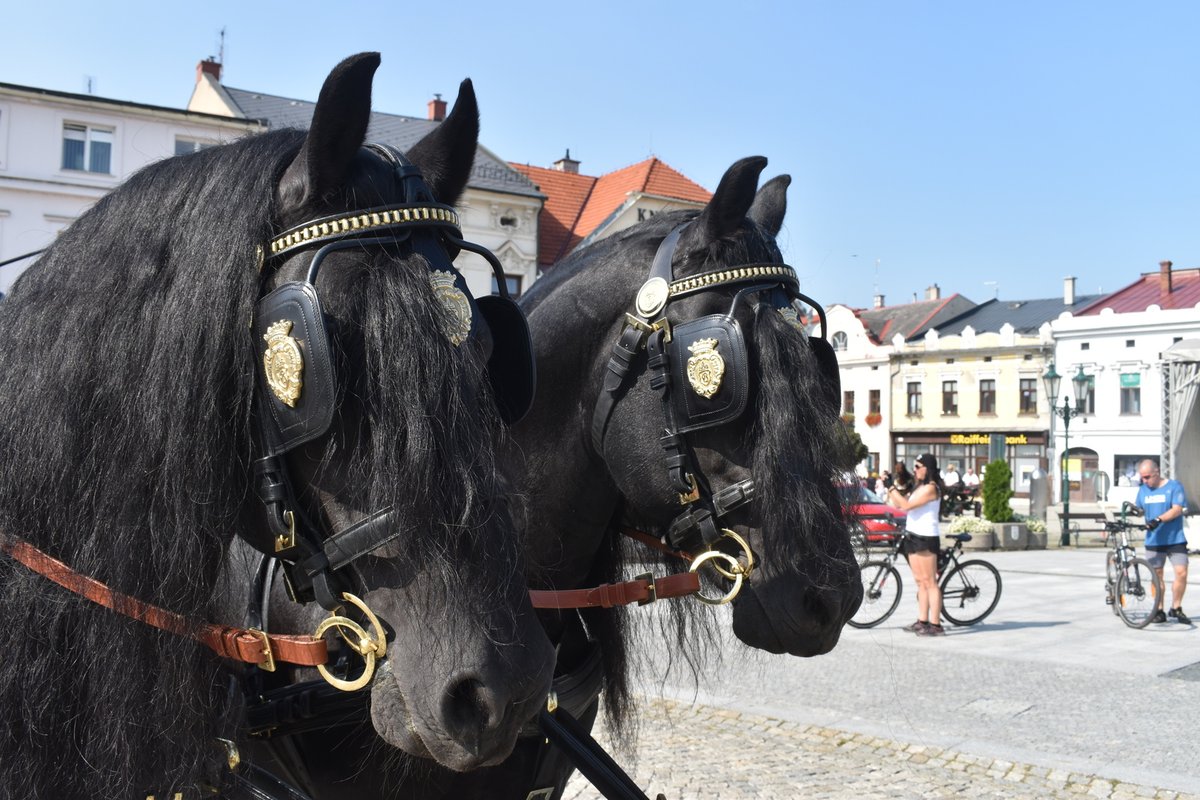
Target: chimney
{"type": "Point", "coordinates": [933, 293]}
{"type": "Point", "coordinates": [209, 66]}
{"type": "Point", "coordinates": [567, 164]}
{"type": "Point", "coordinates": [878, 301]}
{"type": "Point", "coordinates": [437, 108]}
{"type": "Point", "coordinates": [1164, 278]}
{"type": "Point", "coordinates": [1069, 291]}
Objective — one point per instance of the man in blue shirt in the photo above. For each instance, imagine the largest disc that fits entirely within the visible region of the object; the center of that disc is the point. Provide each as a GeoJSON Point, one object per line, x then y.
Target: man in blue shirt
{"type": "Point", "coordinates": [1163, 502]}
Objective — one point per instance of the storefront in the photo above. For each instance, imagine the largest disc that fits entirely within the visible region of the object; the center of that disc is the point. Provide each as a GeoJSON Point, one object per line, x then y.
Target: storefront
{"type": "Point", "coordinates": [1025, 451]}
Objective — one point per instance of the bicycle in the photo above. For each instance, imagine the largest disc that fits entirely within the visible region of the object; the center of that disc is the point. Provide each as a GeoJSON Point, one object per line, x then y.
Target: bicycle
{"type": "Point", "coordinates": [1133, 588]}
{"type": "Point", "coordinates": [970, 589]}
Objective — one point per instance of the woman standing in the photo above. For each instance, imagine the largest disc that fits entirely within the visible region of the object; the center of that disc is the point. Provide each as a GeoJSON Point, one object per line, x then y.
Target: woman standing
{"type": "Point", "coordinates": [921, 541]}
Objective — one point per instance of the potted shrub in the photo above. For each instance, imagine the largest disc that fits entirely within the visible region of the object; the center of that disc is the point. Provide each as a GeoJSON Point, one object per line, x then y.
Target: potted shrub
{"type": "Point", "coordinates": [997, 491]}
{"type": "Point", "coordinates": [874, 418]}
{"type": "Point", "coordinates": [983, 537]}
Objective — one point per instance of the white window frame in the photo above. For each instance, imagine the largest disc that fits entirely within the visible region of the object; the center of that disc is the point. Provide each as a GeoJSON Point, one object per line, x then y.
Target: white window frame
{"type": "Point", "coordinates": [198, 143]}
{"type": "Point", "coordinates": [89, 129]}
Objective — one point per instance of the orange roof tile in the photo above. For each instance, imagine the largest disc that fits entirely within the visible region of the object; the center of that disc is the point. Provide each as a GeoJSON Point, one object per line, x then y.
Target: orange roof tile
{"type": "Point", "coordinates": [1148, 290]}
{"type": "Point", "coordinates": [577, 204]}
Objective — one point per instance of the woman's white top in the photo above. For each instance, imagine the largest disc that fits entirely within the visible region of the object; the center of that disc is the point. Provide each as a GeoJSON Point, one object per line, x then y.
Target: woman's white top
{"type": "Point", "coordinates": [923, 519]}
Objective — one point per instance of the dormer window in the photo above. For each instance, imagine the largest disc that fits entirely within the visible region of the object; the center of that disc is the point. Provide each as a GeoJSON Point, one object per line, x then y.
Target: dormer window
{"type": "Point", "coordinates": [840, 341]}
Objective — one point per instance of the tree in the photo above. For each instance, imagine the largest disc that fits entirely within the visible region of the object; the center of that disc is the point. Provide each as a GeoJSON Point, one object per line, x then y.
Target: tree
{"type": "Point", "coordinates": [850, 448]}
{"type": "Point", "coordinates": [997, 491]}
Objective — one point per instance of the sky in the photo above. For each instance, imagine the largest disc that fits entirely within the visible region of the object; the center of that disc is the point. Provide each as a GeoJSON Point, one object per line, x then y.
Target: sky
{"type": "Point", "coordinates": [991, 148]}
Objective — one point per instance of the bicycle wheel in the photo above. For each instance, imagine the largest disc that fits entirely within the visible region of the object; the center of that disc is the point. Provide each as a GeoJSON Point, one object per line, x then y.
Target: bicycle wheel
{"type": "Point", "coordinates": [970, 591]}
{"type": "Point", "coordinates": [1139, 593]}
{"type": "Point", "coordinates": [881, 594]}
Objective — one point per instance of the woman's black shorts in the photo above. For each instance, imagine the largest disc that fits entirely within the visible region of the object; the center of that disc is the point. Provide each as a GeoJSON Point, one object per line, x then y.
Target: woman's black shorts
{"type": "Point", "coordinates": [919, 544]}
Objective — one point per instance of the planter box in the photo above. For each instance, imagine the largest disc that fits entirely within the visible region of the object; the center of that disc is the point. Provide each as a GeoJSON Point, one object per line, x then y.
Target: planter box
{"type": "Point", "coordinates": [1037, 541]}
{"type": "Point", "coordinates": [981, 541]}
{"type": "Point", "coordinates": [1011, 535]}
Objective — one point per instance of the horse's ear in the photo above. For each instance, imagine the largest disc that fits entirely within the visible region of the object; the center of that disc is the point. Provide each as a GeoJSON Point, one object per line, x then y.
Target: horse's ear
{"type": "Point", "coordinates": [447, 153]}
{"type": "Point", "coordinates": [770, 204]}
{"type": "Point", "coordinates": [723, 215]}
{"type": "Point", "coordinates": [339, 126]}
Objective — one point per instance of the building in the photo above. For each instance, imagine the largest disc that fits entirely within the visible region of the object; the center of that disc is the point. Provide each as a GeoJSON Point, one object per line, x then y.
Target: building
{"type": "Point", "coordinates": [61, 152]}
{"type": "Point", "coordinates": [864, 341]}
{"type": "Point", "coordinates": [971, 387]}
{"type": "Point", "coordinates": [581, 208]}
{"type": "Point", "coordinates": [499, 208]}
{"type": "Point", "coordinates": [1118, 342]}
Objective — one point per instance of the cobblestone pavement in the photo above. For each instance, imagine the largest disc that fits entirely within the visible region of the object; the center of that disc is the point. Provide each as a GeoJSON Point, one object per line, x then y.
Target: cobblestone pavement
{"type": "Point", "coordinates": [690, 751]}
{"type": "Point", "coordinates": [1051, 696]}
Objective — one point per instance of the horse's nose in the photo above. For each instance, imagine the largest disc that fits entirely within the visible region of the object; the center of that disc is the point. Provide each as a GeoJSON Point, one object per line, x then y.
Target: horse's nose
{"type": "Point", "coordinates": [478, 712]}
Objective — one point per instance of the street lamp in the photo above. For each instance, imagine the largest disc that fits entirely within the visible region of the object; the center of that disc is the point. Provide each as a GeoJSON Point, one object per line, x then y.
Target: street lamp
{"type": "Point", "coordinates": [1066, 413]}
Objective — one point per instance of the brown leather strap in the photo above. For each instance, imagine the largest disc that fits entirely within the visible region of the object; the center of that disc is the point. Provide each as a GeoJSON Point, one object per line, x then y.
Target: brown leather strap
{"type": "Point", "coordinates": [240, 644]}
{"type": "Point", "coordinates": [651, 541]}
{"type": "Point", "coordinates": [641, 590]}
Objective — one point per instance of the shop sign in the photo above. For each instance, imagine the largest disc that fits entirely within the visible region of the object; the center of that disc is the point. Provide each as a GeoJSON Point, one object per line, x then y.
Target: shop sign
{"type": "Point", "coordinates": [1130, 380]}
{"type": "Point", "coordinates": [983, 438]}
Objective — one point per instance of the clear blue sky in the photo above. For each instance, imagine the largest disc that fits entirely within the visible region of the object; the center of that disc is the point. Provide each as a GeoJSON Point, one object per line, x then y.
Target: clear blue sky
{"type": "Point", "coordinates": [984, 146]}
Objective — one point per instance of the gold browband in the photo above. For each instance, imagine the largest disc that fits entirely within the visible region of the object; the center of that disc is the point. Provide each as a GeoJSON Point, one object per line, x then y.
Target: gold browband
{"type": "Point", "coordinates": [778, 272]}
{"type": "Point", "coordinates": [366, 221]}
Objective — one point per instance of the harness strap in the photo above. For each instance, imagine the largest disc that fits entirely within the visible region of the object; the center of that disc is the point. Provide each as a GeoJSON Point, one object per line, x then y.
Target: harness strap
{"type": "Point", "coordinates": [642, 590]}
{"type": "Point", "coordinates": [624, 351]}
{"type": "Point", "coordinates": [240, 644]}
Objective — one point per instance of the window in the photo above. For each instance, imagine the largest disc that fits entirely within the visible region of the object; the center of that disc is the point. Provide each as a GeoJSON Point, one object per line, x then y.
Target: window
{"type": "Point", "coordinates": [847, 402]}
{"type": "Point", "coordinates": [1131, 393]}
{"type": "Point", "coordinates": [1089, 400]}
{"type": "Point", "coordinates": [185, 145]}
{"type": "Point", "coordinates": [1028, 395]}
{"type": "Point", "coordinates": [914, 399]}
{"type": "Point", "coordinates": [949, 398]}
{"type": "Point", "coordinates": [86, 148]}
{"type": "Point", "coordinates": [987, 396]}
{"type": "Point", "coordinates": [1085, 346]}
{"type": "Point", "coordinates": [511, 282]}
{"type": "Point", "coordinates": [873, 405]}
{"type": "Point", "coordinates": [1130, 342]}
{"type": "Point", "coordinates": [839, 340]}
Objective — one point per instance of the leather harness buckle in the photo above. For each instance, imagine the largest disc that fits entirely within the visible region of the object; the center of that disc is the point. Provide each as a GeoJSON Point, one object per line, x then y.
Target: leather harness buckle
{"type": "Point", "coordinates": [651, 589]}
{"type": "Point", "coordinates": [269, 663]}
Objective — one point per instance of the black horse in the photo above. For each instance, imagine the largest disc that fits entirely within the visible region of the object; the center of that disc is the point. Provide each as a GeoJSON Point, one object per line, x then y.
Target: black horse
{"type": "Point", "coordinates": [583, 474]}
{"type": "Point", "coordinates": [276, 317]}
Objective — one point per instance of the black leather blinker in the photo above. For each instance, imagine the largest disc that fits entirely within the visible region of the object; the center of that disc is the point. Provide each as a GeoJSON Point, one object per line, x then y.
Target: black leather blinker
{"type": "Point", "coordinates": [710, 372]}
{"type": "Point", "coordinates": [294, 366]}
{"type": "Point", "coordinates": [512, 370]}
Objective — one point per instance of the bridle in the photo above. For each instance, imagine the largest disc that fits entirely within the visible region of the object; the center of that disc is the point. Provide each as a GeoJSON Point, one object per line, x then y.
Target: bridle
{"type": "Point", "coordinates": [701, 369]}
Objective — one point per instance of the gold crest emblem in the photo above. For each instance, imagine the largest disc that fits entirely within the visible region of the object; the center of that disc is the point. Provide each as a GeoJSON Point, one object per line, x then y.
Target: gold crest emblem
{"type": "Point", "coordinates": [456, 323]}
{"type": "Point", "coordinates": [705, 368]}
{"type": "Point", "coordinates": [283, 363]}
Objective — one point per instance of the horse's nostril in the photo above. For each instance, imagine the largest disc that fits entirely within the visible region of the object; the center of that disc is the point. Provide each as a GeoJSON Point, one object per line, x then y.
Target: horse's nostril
{"type": "Point", "coordinates": [471, 709]}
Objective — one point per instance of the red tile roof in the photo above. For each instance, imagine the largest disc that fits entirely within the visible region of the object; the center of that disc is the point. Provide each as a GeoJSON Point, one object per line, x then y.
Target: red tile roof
{"type": "Point", "coordinates": [1148, 290]}
{"type": "Point", "coordinates": [577, 204]}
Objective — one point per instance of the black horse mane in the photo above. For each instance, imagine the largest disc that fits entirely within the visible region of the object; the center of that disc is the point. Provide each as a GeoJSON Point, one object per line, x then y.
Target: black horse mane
{"type": "Point", "coordinates": [125, 451]}
{"type": "Point", "coordinates": [792, 436]}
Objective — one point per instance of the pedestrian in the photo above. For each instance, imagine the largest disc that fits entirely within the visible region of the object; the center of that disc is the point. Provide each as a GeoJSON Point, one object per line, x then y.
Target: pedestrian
{"type": "Point", "coordinates": [902, 479]}
{"type": "Point", "coordinates": [882, 483]}
{"type": "Point", "coordinates": [970, 479]}
{"type": "Point", "coordinates": [921, 537]}
{"type": "Point", "coordinates": [1163, 502]}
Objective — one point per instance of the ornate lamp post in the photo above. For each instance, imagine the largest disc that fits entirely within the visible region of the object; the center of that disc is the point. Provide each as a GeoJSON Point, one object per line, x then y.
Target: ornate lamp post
{"type": "Point", "coordinates": [1066, 413]}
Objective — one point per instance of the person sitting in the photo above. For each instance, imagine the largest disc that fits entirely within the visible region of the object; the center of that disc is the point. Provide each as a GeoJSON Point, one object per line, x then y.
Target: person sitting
{"type": "Point", "coordinates": [950, 477]}
{"type": "Point", "coordinates": [970, 479]}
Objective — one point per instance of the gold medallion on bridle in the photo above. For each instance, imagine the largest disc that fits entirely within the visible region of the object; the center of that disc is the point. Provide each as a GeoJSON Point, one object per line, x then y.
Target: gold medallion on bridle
{"type": "Point", "coordinates": [791, 318]}
{"type": "Point", "coordinates": [705, 368]}
{"type": "Point", "coordinates": [456, 323]}
{"type": "Point", "coordinates": [282, 363]}
{"type": "Point", "coordinates": [652, 297]}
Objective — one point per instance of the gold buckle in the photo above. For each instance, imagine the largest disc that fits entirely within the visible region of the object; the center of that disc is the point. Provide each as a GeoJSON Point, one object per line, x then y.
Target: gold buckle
{"type": "Point", "coordinates": [745, 571]}
{"type": "Point", "coordinates": [651, 589]}
{"type": "Point", "coordinates": [693, 495]}
{"type": "Point", "coordinates": [286, 541]}
{"type": "Point", "coordinates": [269, 664]}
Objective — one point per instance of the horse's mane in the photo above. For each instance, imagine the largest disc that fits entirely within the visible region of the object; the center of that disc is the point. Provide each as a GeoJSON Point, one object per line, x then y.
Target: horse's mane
{"type": "Point", "coordinates": [792, 439]}
{"type": "Point", "coordinates": [125, 451]}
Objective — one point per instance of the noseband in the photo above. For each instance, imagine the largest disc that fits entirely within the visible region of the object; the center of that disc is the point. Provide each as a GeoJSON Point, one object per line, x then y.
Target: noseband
{"type": "Point", "coordinates": [705, 389]}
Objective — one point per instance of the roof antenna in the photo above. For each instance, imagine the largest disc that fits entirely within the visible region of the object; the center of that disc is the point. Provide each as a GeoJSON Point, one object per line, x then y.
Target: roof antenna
{"type": "Point", "coordinates": [221, 48]}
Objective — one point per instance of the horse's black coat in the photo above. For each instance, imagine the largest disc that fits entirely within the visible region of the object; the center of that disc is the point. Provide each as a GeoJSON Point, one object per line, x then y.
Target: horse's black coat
{"type": "Point", "coordinates": [125, 450]}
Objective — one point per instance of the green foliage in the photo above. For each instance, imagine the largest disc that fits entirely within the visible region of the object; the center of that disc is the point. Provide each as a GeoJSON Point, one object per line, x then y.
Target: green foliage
{"type": "Point", "coordinates": [850, 448]}
{"type": "Point", "coordinates": [997, 491]}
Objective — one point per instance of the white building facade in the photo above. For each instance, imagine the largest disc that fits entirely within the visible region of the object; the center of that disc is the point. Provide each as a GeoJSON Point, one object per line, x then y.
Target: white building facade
{"type": "Point", "coordinates": [60, 153]}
